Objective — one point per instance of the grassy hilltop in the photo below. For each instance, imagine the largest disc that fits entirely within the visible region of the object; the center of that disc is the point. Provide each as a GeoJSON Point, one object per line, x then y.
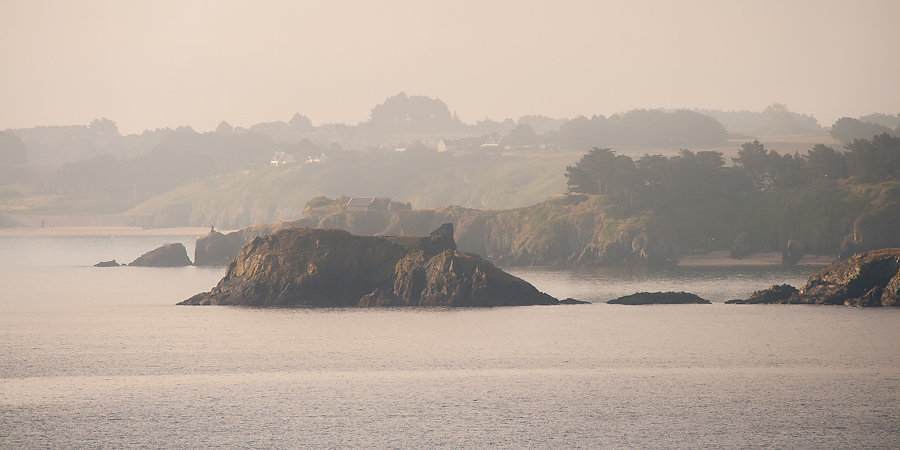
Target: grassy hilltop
{"type": "Point", "coordinates": [426, 180]}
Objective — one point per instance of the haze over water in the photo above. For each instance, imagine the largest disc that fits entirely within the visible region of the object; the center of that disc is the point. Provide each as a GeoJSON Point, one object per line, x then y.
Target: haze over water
{"type": "Point", "coordinates": [103, 357]}
{"type": "Point", "coordinates": [709, 105]}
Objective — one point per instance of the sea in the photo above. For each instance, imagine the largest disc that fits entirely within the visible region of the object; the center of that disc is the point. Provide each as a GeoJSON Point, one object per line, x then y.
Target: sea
{"type": "Point", "coordinates": [102, 357]}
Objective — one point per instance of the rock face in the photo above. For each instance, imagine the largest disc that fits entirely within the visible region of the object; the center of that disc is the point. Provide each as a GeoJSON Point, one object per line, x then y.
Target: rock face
{"type": "Point", "coordinates": [332, 268]}
{"type": "Point", "coordinates": [865, 279]}
{"type": "Point", "coordinates": [580, 234]}
{"type": "Point", "coordinates": [168, 255]}
{"type": "Point", "coordinates": [780, 293]}
{"type": "Point", "coordinates": [216, 249]}
{"type": "Point", "coordinates": [659, 298]}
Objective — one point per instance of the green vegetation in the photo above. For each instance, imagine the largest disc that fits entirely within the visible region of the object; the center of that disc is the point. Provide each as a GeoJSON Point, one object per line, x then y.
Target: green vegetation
{"type": "Point", "coordinates": [658, 209]}
{"type": "Point", "coordinates": [759, 203]}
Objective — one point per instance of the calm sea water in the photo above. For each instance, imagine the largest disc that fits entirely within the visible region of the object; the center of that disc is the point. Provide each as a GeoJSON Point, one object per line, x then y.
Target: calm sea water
{"type": "Point", "coordinates": [93, 357]}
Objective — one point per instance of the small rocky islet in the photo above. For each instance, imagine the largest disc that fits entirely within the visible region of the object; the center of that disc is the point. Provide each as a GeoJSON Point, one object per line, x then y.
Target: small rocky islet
{"type": "Point", "coordinates": [333, 268]}
{"type": "Point", "coordinates": [659, 298]}
{"type": "Point", "coordinates": [166, 255]}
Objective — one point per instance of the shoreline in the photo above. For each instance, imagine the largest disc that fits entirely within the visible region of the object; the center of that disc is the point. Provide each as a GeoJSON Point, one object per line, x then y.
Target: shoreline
{"type": "Point", "coordinates": [103, 231]}
{"type": "Point", "coordinates": [723, 258]}
{"type": "Point", "coordinates": [710, 259]}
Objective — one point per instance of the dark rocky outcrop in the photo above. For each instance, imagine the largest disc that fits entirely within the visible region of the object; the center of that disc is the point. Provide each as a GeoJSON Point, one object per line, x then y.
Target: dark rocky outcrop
{"type": "Point", "coordinates": [865, 279]}
{"type": "Point", "coordinates": [333, 268]}
{"type": "Point", "coordinates": [779, 293]}
{"type": "Point", "coordinates": [168, 255]}
{"type": "Point", "coordinates": [659, 298]}
{"type": "Point", "coordinates": [112, 263]}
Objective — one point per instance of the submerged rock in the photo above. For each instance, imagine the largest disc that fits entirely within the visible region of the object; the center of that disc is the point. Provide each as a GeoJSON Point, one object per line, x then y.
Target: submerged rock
{"type": "Point", "coordinates": [168, 255]}
{"type": "Point", "coordinates": [779, 293]}
{"type": "Point", "coordinates": [330, 267]}
{"type": "Point", "coordinates": [662, 298]}
{"type": "Point", "coordinates": [112, 263]}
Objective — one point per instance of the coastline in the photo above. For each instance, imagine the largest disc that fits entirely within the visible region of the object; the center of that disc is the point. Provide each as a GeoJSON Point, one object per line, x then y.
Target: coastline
{"type": "Point", "coordinates": [713, 258]}
{"type": "Point", "coordinates": [723, 258]}
{"type": "Point", "coordinates": [103, 231]}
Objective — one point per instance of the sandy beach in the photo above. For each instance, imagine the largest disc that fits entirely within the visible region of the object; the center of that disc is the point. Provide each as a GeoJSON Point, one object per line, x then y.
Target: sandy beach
{"type": "Point", "coordinates": [103, 231]}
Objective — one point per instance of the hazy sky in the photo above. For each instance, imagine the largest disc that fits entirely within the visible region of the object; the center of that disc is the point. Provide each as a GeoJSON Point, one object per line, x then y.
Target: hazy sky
{"type": "Point", "coordinates": [152, 64]}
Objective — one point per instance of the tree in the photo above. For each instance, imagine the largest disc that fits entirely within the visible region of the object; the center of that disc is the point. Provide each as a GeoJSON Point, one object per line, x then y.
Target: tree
{"type": "Point", "coordinates": [848, 129]}
{"type": "Point", "coordinates": [875, 160]}
{"type": "Point", "coordinates": [522, 134]}
{"type": "Point", "coordinates": [601, 171]}
{"type": "Point", "coordinates": [769, 170]}
{"type": "Point", "coordinates": [104, 127]}
{"type": "Point", "coordinates": [593, 173]}
{"type": "Point", "coordinates": [779, 120]}
{"type": "Point", "coordinates": [824, 162]}
{"type": "Point", "coordinates": [224, 128]}
{"type": "Point", "coordinates": [12, 149]}
{"type": "Point", "coordinates": [300, 122]}
{"type": "Point", "coordinates": [882, 119]}
{"type": "Point", "coordinates": [582, 133]}
{"type": "Point", "coordinates": [754, 158]}
{"type": "Point", "coordinates": [687, 178]}
{"type": "Point", "coordinates": [412, 114]}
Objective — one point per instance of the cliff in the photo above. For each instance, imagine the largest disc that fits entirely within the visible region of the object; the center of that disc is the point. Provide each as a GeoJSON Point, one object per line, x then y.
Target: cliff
{"type": "Point", "coordinates": [333, 268]}
{"type": "Point", "coordinates": [584, 230]}
{"type": "Point", "coordinates": [563, 230]}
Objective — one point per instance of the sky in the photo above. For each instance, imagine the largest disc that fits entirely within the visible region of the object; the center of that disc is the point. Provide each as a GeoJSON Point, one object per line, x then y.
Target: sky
{"type": "Point", "coordinates": [153, 64]}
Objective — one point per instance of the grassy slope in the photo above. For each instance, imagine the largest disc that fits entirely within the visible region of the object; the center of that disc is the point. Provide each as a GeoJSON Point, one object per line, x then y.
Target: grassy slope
{"type": "Point", "coordinates": [489, 180]}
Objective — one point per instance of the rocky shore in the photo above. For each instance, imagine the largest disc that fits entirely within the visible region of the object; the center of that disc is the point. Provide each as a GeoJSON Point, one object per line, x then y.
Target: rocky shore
{"type": "Point", "coordinates": [865, 279]}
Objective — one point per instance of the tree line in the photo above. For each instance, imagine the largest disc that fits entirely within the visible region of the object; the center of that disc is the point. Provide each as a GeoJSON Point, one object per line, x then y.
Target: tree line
{"type": "Point", "coordinates": [689, 177]}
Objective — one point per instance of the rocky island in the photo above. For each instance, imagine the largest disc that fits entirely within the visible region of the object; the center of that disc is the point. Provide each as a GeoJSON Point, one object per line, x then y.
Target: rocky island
{"type": "Point", "coordinates": [333, 268]}
{"type": "Point", "coordinates": [659, 298]}
{"type": "Point", "coordinates": [167, 255]}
